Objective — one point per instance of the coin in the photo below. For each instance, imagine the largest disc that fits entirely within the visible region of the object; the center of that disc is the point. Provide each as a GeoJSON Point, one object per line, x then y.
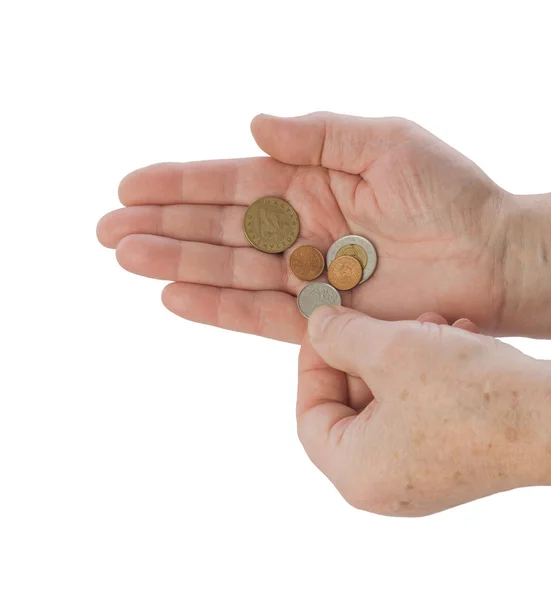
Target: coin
{"type": "Point", "coordinates": [316, 294]}
{"type": "Point", "coordinates": [307, 263]}
{"type": "Point", "coordinates": [345, 272]}
{"type": "Point", "coordinates": [355, 251]}
{"type": "Point", "coordinates": [271, 225]}
{"type": "Point", "coordinates": [360, 241]}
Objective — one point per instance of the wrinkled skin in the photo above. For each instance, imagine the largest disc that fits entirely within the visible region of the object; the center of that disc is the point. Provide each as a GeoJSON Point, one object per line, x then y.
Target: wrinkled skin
{"type": "Point", "coordinates": [410, 418]}
{"type": "Point", "coordinates": [434, 217]}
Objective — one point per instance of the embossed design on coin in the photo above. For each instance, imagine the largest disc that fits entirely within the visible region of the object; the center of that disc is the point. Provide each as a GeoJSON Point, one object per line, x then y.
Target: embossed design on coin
{"type": "Point", "coordinates": [360, 241]}
{"type": "Point", "coordinates": [345, 272]}
{"type": "Point", "coordinates": [307, 263]}
{"type": "Point", "coordinates": [356, 252]}
{"type": "Point", "coordinates": [271, 225]}
{"type": "Point", "coordinates": [314, 295]}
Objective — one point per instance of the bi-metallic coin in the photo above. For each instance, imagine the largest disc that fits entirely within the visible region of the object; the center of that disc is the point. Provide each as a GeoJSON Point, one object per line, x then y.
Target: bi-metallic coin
{"type": "Point", "coordinates": [356, 251]}
{"type": "Point", "coordinates": [363, 243]}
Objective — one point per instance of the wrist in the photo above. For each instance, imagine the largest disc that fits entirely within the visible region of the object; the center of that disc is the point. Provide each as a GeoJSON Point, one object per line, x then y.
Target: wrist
{"type": "Point", "coordinates": [526, 266]}
{"type": "Point", "coordinates": [529, 455]}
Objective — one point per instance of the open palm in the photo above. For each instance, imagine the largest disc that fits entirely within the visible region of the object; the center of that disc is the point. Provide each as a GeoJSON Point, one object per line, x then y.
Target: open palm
{"type": "Point", "coordinates": [433, 216]}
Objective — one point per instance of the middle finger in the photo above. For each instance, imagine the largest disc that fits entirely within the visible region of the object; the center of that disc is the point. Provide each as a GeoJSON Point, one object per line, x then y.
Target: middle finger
{"type": "Point", "coordinates": [196, 262]}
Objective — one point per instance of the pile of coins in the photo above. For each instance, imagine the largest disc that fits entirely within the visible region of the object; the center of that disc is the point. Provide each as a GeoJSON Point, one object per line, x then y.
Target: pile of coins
{"type": "Point", "coordinates": [272, 225]}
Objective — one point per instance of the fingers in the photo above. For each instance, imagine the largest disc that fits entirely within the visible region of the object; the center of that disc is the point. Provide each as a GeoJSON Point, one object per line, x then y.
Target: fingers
{"type": "Point", "coordinates": [353, 342]}
{"type": "Point", "coordinates": [268, 314]}
{"type": "Point", "coordinates": [220, 225]}
{"type": "Point", "coordinates": [236, 181]}
{"type": "Point", "coordinates": [341, 142]}
{"type": "Point", "coordinates": [323, 414]}
{"type": "Point", "coordinates": [195, 262]}
{"type": "Point", "coordinates": [432, 317]}
{"type": "Point", "coordinates": [465, 324]}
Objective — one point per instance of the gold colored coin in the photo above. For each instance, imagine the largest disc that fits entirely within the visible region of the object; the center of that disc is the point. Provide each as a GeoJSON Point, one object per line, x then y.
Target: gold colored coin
{"type": "Point", "coordinates": [307, 263]}
{"type": "Point", "coordinates": [356, 252]}
{"type": "Point", "coordinates": [271, 225]}
{"type": "Point", "coordinates": [345, 272]}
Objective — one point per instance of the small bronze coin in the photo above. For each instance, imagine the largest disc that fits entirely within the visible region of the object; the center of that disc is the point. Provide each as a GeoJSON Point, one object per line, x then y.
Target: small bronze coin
{"type": "Point", "coordinates": [345, 272]}
{"type": "Point", "coordinates": [356, 252]}
{"type": "Point", "coordinates": [271, 225]}
{"type": "Point", "coordinates": [307, 263]}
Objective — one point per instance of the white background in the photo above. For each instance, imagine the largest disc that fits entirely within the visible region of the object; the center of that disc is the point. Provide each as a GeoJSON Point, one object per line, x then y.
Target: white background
{"type": "Point", "coordinates": [145, 457]}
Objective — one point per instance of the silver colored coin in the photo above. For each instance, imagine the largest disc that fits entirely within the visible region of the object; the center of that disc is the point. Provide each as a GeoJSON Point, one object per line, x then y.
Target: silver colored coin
{"type": "Point", "coordinates": [365, 244]}
{"type": "Point", "coordinates": [314, 295]}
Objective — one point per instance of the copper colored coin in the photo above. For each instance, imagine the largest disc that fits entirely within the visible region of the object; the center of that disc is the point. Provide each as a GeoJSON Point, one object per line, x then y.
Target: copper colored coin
{"type": "Point", "coordinates": [345, 272]}
{"type": "Point", "coordinates": [307, 263]}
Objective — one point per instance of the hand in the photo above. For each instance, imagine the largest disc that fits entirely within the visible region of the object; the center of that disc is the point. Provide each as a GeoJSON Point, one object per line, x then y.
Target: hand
{"type": "Point", "coordinates": [410, 418]}
{"type": "Point", "coordinates": [434, 217]}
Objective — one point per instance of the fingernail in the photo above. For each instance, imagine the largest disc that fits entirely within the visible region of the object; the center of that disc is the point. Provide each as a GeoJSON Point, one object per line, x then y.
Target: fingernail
{"type": "Point", "coordinates": [467, 325]}
{"type": "Point", "coordinates": [319, 320]}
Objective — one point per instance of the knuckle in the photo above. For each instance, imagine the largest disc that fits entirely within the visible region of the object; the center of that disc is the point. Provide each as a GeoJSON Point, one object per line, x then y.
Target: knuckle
{"type": "Point", "coordinates": [347, 323]}
{"type": "Point", "coordinates": [400, 345]}
{"type": "Point", "coordinates": [321, 114]}
{"type": "Point", "coordinates": [343, 330]}
{"type": "Point", "coordinates": [401, 125]}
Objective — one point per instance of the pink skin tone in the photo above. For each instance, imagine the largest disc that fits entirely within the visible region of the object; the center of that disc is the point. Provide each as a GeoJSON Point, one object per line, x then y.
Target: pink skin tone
{"type": "Point", "coordinates": [453, 246]}
{"type": "Point", "coordinates": [409, 418]}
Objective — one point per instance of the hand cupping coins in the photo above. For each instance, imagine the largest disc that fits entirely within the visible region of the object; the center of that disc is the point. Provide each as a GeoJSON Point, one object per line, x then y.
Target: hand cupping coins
{"type": "Point", "coordinates": [272, 225]}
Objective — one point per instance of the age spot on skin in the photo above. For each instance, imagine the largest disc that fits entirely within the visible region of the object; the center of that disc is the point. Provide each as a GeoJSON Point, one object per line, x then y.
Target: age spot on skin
{"type": "Point", "coordinates": [486, 397]}
{"type": "Point", "coordinates": [458, 477]}
{"type": "Point", "coordinates": [463, 355]}
{"type": "Point", "coordinates": [511, 434]}
{"type": "Point", "coordinates": [404, 394]}
{"type": "Point", "coordinates": [410, 486]}
{"type": "Point", "coordinates": [404, 503]}
{"type": "Point", "coordinates": [423, 378]}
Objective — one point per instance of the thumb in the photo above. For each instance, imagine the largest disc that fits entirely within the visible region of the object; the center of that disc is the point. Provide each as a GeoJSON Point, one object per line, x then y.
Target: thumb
{"type": "Point", "coordinates": [334, 141]}
{"type": "Point", "coordinates": [353, 342]}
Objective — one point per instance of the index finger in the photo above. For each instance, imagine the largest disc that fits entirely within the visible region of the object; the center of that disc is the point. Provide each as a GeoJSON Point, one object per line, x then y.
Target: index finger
{"type": "Point", "coordinates": [234, 181]}
{"type": "Point", "coordinates": [323, 413]}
